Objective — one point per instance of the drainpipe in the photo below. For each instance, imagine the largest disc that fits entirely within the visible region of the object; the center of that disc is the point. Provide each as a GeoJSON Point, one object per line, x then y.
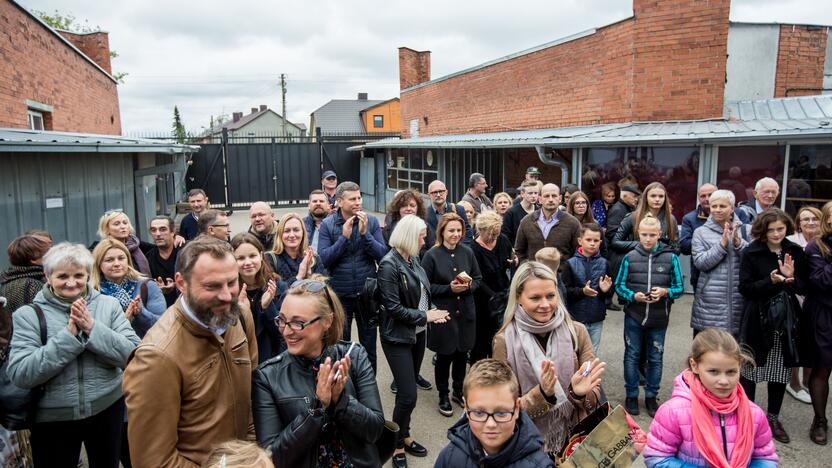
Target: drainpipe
{"type": "Point", "coordinates": [550, 161]}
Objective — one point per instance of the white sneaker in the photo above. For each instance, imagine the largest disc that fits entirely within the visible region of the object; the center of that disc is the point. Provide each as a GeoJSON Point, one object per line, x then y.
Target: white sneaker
{"type": "Point", "coordinates": [800, 395]}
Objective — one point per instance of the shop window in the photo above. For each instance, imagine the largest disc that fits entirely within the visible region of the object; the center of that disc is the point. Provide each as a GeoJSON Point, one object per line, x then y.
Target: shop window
{"type": "Point", "coordinates": [810, 177]}
{"type": "Point", "coordinates": [676, 168]}
{"type": "Point", "coordinates": [411, 168]}
{"type": "Point", "coordinates": [378, 121]}
{"type": "Point", "coordinates": [740, 167]}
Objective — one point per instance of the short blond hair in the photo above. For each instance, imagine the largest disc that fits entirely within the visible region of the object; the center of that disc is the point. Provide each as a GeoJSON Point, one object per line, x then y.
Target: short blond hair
{"type": "Point", "coordinates": [489, 221]}
{"type": "Point", "coordinates": [548, 256]}
{"type": "Point", "coordinates": [648, 222]}
{"type": "Point", "coordinates": [104, 222]}
{"type": "Point", "coordinates": [238, 454]}
{"type": "Point", "coordinates": [487, 373]}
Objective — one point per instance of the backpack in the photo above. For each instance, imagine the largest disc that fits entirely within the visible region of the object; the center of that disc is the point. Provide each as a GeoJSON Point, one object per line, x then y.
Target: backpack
{"type": "Point", "coordinates": [18, 406]}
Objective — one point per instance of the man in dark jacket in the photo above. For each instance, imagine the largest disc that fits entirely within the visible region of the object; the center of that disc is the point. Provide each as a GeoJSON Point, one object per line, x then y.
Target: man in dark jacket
{"type": "Point", "coordinates": [263, 224]}
{"type": "Point", "coordinates": [496, 432]}
{"type": "Point", "coordinates": [199, 202]}
{"type": "Point", "coordinates": [439, 205]}
{"type": "Point", "coordinates": [318, 210]}
{"type": "Point", "coordinates": [690, 222]}
{"type": "Point", "coordinates": [162, 258]}
{"type": "Point", "coordinates": [349, 245]}
{"type": "Point", "coordinates": [626, 203]}
{"type": "Point", "coordinates": [547, 227]}
{"type": "Point", "coordinates": [515, 214]}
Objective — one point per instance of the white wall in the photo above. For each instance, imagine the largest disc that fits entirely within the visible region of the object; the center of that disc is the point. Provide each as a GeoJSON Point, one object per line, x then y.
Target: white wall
{"type": "Point", "coordinates": [752, 61]}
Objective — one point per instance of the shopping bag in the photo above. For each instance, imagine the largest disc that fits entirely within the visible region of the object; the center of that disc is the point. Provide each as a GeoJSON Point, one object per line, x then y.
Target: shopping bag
{"type": "Point", "coordinates": [612, 442]}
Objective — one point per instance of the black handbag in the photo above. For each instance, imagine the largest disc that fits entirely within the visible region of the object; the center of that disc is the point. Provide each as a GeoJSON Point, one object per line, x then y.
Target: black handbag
{"type": "Point", "coordinates": [781, 315]}
{"type": "Point", "coordinates": [19, 405]}
{"type": "Point", "coordinates": [368, 302]}
{"type": "Point", "coordinates": [386, 443]}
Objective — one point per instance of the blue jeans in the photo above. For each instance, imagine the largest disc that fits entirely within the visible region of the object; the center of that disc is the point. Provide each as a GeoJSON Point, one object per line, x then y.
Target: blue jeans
{"type": "Point", "coordinates": [366, 333]}
{"type": "Point", "coordinates": [634, 336]}
{"type": "Point", "coordinates": [595, 330]}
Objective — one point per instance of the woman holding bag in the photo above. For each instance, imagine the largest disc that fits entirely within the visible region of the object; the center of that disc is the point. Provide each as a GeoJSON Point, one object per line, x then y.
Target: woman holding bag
{"type": "Point", "coordinates": [770, 270]}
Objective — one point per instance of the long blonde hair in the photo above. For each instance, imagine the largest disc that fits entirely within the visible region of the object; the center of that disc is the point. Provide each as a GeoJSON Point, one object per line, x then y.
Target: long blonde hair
{"type": "Point", "coordinates": [278, 235]}
{"type": "Point", "coordinates": [535, 270]}
{"type": "Point", "coordinates": [666, 211]}
{"type": "Point", "coordinates": [98, 257]}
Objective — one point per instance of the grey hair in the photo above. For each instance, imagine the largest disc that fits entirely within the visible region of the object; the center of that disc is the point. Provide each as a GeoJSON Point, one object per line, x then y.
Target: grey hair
{"type": "Point", "coordinates": [405, 236]}
{"type": "Point", "coordinates": [724, 195]}
{"type": "Point", "coordinates": [67, 254]}
{"type": "Point", "coordinates": [765, 180]}
{"type": "Point", "coordinates": [344, 187]}
{"type": "Point", "coordinates": [474, 178]}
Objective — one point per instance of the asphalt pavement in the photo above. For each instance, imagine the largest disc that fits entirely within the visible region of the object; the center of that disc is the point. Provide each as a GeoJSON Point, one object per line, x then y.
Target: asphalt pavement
{"type": "Point", "coordinates": [429, 427]}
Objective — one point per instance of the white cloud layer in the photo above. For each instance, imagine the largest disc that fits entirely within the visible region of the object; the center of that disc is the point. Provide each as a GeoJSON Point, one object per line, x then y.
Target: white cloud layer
{"type": "Point", "coordinates": [216, 57]}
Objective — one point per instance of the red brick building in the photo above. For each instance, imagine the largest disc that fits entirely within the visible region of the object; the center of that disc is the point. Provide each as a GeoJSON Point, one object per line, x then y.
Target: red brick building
{"type": "Point", "coordinates": [51, 80]}
{"type": "Point", "coordinates": [676, 92]}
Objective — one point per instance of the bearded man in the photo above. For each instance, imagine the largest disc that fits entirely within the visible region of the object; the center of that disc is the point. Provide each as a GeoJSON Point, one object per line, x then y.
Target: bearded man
{"type": "Point", "coordinates": [188, 385]}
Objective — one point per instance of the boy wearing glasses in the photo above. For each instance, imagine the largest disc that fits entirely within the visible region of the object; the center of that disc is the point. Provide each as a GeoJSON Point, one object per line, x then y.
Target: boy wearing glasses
{"type": "Point", "coordinates": [496, 431]}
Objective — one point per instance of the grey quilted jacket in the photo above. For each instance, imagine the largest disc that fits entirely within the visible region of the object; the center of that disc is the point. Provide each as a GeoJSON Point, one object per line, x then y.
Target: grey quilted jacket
{"type": "Point", "coordinates": [82, 374]}
{"type": "Point", "coordinates": [718, 302]}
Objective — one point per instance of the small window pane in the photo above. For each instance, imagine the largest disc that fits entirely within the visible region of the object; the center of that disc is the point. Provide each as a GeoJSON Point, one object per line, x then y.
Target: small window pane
{"type": "Point", "coordinates": [810, 177]}
{"type": "Point", "coordinates": [378, 121]}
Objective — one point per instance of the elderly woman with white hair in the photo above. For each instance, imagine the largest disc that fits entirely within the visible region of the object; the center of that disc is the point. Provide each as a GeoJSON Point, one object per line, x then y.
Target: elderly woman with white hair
{"type": "Point", "coordinates": [716, 248]}
{"type": "Point", "coordinates": [79, 366]}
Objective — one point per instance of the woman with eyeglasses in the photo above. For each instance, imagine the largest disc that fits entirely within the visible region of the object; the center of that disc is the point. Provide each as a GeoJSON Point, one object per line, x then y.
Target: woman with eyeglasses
{"type": "Point", "coordinates": [317, 404]}
{"type": "Point", "coordinates": [405, 311]}
{"type": "Point", "coordinates": [263, 290]}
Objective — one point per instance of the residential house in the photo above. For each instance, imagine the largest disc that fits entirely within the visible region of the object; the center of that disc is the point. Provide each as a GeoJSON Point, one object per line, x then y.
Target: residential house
{"type": "Point", "coordinates": [341, 117]}
{"type": "Point", "coordinates": [259, 126]}
{"type": "Point", "coordinates": [384, 117]}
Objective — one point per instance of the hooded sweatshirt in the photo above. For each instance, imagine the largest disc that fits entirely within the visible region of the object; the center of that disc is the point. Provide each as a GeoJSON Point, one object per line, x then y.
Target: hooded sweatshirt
{"type": "Point", "coordinates": [523, 450]}
{"type": "Point", "coordinates": [670, 441]}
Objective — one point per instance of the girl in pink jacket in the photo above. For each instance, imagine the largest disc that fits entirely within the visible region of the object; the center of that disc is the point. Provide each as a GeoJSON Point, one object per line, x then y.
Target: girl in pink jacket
{"type": "Point", "coordinates": [709, 421]}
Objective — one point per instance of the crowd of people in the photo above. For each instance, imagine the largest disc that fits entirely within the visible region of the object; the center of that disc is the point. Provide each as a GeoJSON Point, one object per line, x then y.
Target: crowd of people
{"type": "Point", "coordinates": [198, 347]}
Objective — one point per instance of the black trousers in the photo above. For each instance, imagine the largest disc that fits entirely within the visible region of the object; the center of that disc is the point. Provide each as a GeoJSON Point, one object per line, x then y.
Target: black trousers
{"type": "Point", "coordinates": [404, 360]}
{"type": "Point", "coordinates": [450, 365]}
{"type": "Point", "coordinates": [366, 332]}
{"type": "Point", "coordinates": [58, 444]}
{"type": "Point", "coordinates": [776, 392]}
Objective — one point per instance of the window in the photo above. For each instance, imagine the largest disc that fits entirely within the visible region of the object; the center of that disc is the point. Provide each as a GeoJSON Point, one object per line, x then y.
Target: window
{"type": "Point", "coordinates": [810, 177]}
{"type": "Point", "coordinates": [677, 168]}
{"type": "Point", "coordinates": [411, 168]}
{"type": "Point", "coordinates": [35, 120]}
{"type": "Point", "coordinates": [739, 167]}
{"type": "Point", "coordinates": [378, 121]}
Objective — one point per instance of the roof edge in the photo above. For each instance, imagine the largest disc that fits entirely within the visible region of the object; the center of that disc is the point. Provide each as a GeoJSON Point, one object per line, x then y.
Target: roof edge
{"type": "Point", "coordinates": [531, 50]}
{"type": "Point", "coordinates": [776, 23]}
{"type": "Point", "coordinates": [65, 40]}
{"type": "Point", "coordinates": [379, 104]}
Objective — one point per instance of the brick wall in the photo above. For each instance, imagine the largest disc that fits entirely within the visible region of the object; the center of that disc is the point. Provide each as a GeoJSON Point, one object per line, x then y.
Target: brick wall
{"type": "Point", "coordinates": [800, 60]}
{"type": "Point", "coordinates": [37, 65]}
{"type": "Point", "coordinates": [414, 67]}
{"type": "Point", "coordinates": [94, 45]}
{"type": "Point", "coordinates": [668, 62]}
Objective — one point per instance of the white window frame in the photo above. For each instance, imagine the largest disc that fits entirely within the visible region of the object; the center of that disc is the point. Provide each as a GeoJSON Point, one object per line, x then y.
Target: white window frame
{"type": "Point", "coordinates": [34, 116]}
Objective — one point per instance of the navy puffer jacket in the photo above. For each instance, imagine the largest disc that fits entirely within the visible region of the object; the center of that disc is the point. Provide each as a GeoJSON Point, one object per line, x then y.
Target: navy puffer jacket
{"type": "Point", "coordinates": [575, 273]}
{"type": "Point", "coordinates": [350, 261]}
{"type": "Point", "coordinates": [523, 450]}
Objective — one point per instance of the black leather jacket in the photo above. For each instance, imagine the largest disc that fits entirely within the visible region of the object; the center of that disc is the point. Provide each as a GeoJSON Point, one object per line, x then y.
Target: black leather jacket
{"type": "Point", "coordinates": [398, 284]}
{"type": "Point", "coordinates": [289, 419]}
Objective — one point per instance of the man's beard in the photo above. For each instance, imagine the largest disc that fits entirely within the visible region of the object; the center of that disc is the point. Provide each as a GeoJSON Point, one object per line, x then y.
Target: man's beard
{"type": "Point", "coordinates": [319, 212]}
{"type": "Point", "coordinates": [214, 321]}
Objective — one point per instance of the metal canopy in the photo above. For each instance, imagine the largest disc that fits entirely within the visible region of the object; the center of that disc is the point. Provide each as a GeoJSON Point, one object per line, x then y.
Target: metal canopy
{"type": "Point", "coordinates": [15, 140]}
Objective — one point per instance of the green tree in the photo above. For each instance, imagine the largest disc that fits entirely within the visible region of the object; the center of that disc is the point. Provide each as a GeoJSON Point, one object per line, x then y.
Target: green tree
{"type": "Point", "coordinates": [179, 133]}
{"type": "Point", "coordinates": [68, 22]}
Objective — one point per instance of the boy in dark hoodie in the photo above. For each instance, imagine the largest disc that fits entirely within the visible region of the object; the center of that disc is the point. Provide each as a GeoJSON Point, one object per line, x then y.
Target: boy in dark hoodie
{"type": "Point", "coordinates": [649, 279]}
{"type": "Point", "coordinates": [495, 431]}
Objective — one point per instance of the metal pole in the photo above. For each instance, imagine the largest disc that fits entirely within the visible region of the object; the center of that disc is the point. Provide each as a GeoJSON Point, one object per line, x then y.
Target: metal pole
{"type": "Point", "coordinates": [283, 92]}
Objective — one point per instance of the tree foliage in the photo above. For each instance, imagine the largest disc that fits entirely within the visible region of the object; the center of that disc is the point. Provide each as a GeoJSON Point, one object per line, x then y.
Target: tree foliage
{"type": "Point", "coordinates": [179, 133]}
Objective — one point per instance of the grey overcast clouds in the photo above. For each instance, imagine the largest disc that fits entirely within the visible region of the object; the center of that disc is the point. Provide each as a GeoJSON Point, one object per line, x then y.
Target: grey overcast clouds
{"type": "Point", "coordinates": [213, 57]}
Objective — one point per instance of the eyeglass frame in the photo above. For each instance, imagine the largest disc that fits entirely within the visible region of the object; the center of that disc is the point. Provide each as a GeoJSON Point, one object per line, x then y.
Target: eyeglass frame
{"type": "Point", "coordinates": [492, 415]}
{"type": "Point", "coordinates": [300, 323]}
{"type": "Point", "coordinates": [318, 286]}
{"type": "Point", "coordinates": [437, 192]}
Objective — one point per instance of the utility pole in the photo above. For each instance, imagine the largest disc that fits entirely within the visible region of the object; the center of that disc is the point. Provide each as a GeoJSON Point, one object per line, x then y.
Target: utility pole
{"type": "Point", "coordinates": [283, 91]}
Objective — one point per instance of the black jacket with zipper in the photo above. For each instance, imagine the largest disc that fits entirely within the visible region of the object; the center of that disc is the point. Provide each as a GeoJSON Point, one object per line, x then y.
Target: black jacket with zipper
{"type": "Point", "coordinates": [398, 285]}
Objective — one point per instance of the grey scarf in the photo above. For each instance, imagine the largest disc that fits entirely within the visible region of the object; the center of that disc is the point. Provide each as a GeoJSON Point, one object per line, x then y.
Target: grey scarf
{"type": "Point", "coordinates": [525, 355]}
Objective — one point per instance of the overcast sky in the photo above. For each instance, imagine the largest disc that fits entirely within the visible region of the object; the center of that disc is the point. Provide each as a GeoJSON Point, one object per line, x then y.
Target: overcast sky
{"type": "Point", "coordinates": [213, 57]}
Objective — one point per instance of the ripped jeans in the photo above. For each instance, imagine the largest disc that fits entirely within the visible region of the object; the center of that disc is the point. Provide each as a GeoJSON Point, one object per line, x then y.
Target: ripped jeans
{"type": "Point", "coordinates": [634, 334]}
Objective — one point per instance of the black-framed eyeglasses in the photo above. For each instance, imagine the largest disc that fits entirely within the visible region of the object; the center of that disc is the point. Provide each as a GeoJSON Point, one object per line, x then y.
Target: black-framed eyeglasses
{"type": "Point", "coordinates": [296, 325]}
{"type": "Point", "coordinates": [437, 192]}
{"type": "Point", "coordinates": [220, 225]}
{"type": "Point", "coordinates": [500, 417]}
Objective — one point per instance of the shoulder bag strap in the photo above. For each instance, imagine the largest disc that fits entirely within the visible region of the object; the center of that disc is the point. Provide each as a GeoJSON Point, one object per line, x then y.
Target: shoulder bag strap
{"type": "Point", "coordinates": [42, 322]}
{"type": "Point", "coordinates": [143, 293]}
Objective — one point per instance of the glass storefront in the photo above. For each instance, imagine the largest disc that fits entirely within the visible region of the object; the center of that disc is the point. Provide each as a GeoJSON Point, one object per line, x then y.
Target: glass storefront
{"type": "Point", "coordinates": [675, 167]}
{"type": "Point", "coordinates": [740, 167]}
{"type": "Point", "coordinates": [810, 176]}
{"type": "Point", "coordinates": [411, 168]}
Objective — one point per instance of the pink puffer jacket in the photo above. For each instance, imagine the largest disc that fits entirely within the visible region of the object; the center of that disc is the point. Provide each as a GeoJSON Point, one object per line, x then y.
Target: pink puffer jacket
{"type": "Point", "coordinates": [671, 433]}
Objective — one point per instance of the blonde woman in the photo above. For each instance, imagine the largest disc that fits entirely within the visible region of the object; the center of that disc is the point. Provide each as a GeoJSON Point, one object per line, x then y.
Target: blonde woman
{"type": "Point", "coordinates": [116, 224]}
{"type": "Point", "coordinates": [502, 202]}
{"type": "Point", "coordinates": [291, 257]}
{"type": "Point", "coordinates": [113, 274]}
{"type": "Point", "coordinates": [559, 376]}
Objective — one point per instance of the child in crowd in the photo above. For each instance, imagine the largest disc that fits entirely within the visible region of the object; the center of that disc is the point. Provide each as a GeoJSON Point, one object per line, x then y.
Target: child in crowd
{"type": "Point", "coordinates": [496, 431]}
{"type": "Point", "coordinates": [649, 279]}
{"type": "Point", "coordinates": [238, 454]}
{"type": "Point", "coordinates": [587, 285]}
{"type": "Point", "coordinates": [550, 257]}
{"type": "Point", "coordinates": [709, 421]}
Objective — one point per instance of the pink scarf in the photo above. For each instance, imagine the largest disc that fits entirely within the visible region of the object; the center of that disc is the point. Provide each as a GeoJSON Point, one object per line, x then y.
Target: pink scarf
{"type": "Point", "coordinates": [708, 442]}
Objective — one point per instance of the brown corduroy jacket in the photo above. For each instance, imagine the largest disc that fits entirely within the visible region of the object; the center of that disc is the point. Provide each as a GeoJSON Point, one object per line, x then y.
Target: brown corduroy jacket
{"type": "Point", "coordinates": [563, 236]}
{"type": "Point", "coordinates": [188, 390]}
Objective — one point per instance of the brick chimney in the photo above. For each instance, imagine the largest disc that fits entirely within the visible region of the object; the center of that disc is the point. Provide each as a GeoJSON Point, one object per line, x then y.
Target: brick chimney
{"type": "Point", "coordinates": [414, 67]}
{"type": "Point", "coordinates": [236, 117]}
{"type": "Point", "coordinates": [362, 96]}
{"type": "Point", "coordinates": [680, 50]}
{"type": "Point", "coordinates": [95, 45]}
{"type": "Point", "coordinates": [254, 110]}
{"type": "Point", "coordinates": [263, 107]}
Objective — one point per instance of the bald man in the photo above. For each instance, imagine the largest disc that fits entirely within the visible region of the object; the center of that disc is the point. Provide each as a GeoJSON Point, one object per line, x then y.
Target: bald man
{"type": "Point", "coordinates": [547, 227]}
{"type": "Point", "coordinates": [693, 220]}
{"type": "Point", "coordinates": [439, 205]}
{"type": "Point", "coordinates": [263, 224]}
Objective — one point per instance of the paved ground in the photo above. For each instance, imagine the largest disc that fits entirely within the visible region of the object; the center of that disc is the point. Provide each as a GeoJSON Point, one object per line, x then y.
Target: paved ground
{"type": "Point", "coordinates": [430, 428]}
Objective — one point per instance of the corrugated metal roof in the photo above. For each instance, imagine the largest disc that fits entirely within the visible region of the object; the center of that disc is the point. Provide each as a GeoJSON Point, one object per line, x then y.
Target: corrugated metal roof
{"type": "Point", "coordinates": [24, 140]}
{"type": "Point", "coordinates": [343, 115]}
{"type": "Point", "coordinates": [793, 108]}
